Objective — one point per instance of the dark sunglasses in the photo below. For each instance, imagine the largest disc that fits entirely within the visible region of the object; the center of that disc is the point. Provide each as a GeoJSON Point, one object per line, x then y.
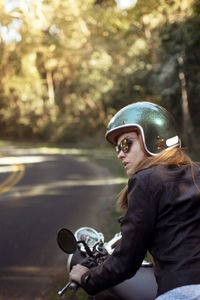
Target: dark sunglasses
{"type": "Point", "coordinates": [124, 146]}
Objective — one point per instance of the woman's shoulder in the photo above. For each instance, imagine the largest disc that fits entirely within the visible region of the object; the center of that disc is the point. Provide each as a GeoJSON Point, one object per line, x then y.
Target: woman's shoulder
{"type": "Point", "coordinates": [158, 174]}
{"type": "Point", "coordinates": [152, 171]}
{"type": "Point", "coordinates": [147, 176]}
{"type": "Point", "coordinates": [147, 181]}
{"type": "Point", "coordinates": [167, 173]}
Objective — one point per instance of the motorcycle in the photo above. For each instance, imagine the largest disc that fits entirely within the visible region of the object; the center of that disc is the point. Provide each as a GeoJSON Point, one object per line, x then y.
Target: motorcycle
{"type": "Point", "coordinates": [87, 247]}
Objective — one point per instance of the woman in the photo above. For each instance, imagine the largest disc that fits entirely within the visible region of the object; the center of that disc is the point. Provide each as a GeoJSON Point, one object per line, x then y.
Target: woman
{"type": "Point", "coordinates": [161, 203]}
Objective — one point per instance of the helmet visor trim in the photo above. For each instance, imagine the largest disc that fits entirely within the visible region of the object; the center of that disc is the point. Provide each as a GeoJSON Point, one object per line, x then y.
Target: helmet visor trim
{"type": "Point", "coordinates": [114, 133]}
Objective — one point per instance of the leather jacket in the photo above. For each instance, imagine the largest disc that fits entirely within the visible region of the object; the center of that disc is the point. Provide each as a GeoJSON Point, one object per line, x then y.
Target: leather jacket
{"type": "Point", "coordinates": [163, 216]}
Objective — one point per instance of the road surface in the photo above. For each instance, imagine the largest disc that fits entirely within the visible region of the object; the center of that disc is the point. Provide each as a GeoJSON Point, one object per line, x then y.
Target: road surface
{"type": "Point", "coordinates": [40, 193]}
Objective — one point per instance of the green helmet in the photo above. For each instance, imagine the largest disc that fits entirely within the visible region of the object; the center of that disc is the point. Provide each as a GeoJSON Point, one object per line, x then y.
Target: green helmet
{"type": "Point", "coordinates": [155, 124]}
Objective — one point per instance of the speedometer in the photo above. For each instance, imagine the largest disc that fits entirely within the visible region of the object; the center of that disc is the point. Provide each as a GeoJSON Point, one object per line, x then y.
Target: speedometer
{"type": "Point", "coordinates": [89, 235]}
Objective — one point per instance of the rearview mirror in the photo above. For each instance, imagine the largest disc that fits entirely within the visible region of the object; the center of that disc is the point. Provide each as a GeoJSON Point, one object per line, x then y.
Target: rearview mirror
{"type": "Point", "coordinates": [66, 241]}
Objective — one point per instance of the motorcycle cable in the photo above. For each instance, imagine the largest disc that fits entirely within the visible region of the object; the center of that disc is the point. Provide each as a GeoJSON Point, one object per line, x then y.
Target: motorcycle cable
{"type": "Point", "coordinates": [89, 252]}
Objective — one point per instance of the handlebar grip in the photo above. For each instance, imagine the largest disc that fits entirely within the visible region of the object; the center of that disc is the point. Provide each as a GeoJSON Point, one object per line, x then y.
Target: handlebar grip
{"type": "Point", "coordinates": [73, 286]}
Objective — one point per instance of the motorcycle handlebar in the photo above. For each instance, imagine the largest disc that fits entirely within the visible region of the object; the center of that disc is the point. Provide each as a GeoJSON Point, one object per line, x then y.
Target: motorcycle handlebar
{"type": "Point", "coordinates": [73, 286]}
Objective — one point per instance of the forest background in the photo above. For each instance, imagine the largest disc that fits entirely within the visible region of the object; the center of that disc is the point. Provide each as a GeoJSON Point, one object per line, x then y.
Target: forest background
{"type": "Point", "coordinates": [67, 66]}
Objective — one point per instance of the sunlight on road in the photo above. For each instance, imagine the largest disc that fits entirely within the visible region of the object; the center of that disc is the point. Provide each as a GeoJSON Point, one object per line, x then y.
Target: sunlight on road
{"type": "Point", "coordinates": [101, 181]}
{"type": "Point", "coordinates": [55, 188]}
{"type": "Point", "coordinates": [12, 169]}
{"type": "Point", "coordinates": [22, 160]}
{"type": "Point", "coordinates": [15, 168]}
{"type": "Point", "coordinates": [5, 169]}
{"type": "Point", "coordinates": [26, 273]}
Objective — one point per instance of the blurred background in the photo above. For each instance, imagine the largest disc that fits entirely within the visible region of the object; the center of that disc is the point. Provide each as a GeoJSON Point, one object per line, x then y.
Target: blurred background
{"type": "Point", "coordinates": [68, 65]}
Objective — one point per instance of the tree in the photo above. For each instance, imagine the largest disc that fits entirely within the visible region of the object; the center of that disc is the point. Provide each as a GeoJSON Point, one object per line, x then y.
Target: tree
{"type": "Point", "coordinates": [76, 63]}
{"type": "Point", "coordinates": [175, 76]}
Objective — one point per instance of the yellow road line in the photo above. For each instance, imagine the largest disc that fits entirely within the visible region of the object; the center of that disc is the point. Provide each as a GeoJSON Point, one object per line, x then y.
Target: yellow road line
{"type": "Point", "coordinates": [16, 175]}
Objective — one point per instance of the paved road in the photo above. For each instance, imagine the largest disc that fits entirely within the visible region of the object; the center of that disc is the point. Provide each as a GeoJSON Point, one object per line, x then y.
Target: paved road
{"type": "Point", "coordinates": [39, 194]}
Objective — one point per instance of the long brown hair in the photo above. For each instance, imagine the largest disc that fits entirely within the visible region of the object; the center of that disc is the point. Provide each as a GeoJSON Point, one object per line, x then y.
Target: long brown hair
{"type": "Point", "coordinates": [175, 156]}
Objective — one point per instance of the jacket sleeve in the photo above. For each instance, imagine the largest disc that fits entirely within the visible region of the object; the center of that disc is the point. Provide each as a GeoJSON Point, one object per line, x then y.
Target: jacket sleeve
{"type": "Point", "coordinates": [137, 228]}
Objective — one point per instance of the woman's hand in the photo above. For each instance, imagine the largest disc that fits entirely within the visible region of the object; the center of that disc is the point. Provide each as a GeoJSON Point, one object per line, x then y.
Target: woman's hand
{"type": "Point", "coordinates": [77, 272]}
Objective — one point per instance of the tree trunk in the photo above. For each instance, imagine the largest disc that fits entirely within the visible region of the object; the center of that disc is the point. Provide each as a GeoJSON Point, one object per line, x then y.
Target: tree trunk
{"type": "Point", "coordinates": [50, 88]}
{"type": "Point", "coordinates": [187, 126]}
{"type": "Point", "coordinates": [76, 13]}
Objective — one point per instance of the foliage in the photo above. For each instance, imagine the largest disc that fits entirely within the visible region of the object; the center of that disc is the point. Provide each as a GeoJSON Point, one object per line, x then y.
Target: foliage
{"type": "Point", "coordinates": [179, 42]}
{"type": "Point", "coordinates": [72, 64]}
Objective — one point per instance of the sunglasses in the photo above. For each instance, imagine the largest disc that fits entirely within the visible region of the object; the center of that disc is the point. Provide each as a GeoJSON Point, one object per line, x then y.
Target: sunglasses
{"type": "Point", "coordinates": [124, 146]}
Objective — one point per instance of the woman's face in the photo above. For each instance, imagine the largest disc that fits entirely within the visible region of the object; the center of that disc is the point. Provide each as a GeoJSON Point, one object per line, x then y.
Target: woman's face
{"type": "Point", "coordinates": [135, 153]}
